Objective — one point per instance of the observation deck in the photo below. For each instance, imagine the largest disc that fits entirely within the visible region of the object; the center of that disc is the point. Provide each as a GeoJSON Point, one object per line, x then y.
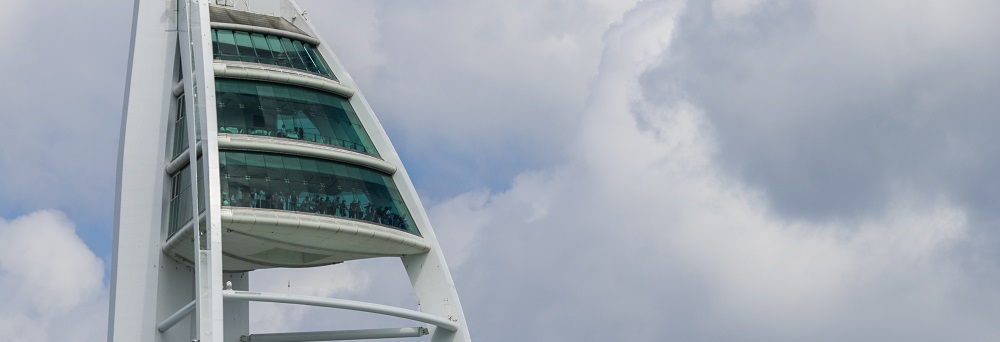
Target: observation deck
{"type": "Point", "coordinates": [301, 182]}
{"type": "Point", "coordinates": [265, 238]}
{"type": "Point", "coordinates": [246, 145]}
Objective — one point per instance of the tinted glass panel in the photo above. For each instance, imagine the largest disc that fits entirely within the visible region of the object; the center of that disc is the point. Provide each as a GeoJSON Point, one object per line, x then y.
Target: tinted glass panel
{"type": "Point", "coordinates": [314, 186]}
{"type": "Point", "coordinates": [244, 46]}
{"type": "Point", "coordinates": [293, 55]}
{"type": "Point", "coordinates": [261, 48]}
{"type": "Point", "coordinates": [316, 60]}
{"type": "Point", "coordinates": [227, 45]}
{"type": "Point", "coordinates": [267, 49]}
{"type": "Point", "coordinates": [180, 128]}
{"type": "Point", "coordinates": [180, 198]}
{"type": "Point", "coordinates": [277, 110]}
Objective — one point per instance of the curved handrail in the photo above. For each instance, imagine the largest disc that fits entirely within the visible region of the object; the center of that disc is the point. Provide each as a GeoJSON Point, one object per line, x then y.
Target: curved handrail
{"type": "Point", "coordinates": [443, 323]}
{"type": "Point", "coordinates": [261, 72]}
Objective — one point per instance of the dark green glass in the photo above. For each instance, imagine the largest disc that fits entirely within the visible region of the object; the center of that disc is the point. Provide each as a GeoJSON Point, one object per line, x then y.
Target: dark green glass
{"type": "Point", "coordinates": [323, 187]}
{"type": "Point", "coordinates": [267, 49]}
{"type": "Point", "coordinates": [227, 46]}
{"type": "Point", "coordinates": [180, 198]}
{"type": "Point", "coordinates": [244, 46]}
{"type": "Point", "coordinates": [180, 128]}
{"type": "Point", "coordinates": [262, 49]}
{"type": "Point", "coordinates": [284, 111]}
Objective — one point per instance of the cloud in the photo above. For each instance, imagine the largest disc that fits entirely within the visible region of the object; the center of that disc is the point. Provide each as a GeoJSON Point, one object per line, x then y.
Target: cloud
{"type": "Point", "coordinates": [8, 19]}
{"type": "Point", "coordinates": [648, 232]}
{"type": "Point", "coordinates": [51, 284]}
{"type": "Point", "coordinates": [723, 170]}
{"type": "Point", "coordinates": [741, 169]}
{"type": "Point", "coordinates": [381, 281]}
{"type": "Point", "coordinates": [830, 107]}
{"type": "Point", "coordinates": [323, 282]}
{"type": "Point", "coordinates": [62, 93]}
{"type": "Point", "coordinates": [478, 90]}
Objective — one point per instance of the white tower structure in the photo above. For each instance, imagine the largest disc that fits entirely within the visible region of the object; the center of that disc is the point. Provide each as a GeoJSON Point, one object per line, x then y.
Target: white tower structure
{"type": "Point", "coordinates": [245, 145]}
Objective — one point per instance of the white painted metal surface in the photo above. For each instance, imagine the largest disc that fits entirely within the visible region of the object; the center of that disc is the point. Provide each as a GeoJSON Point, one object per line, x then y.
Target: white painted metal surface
{"type": "Point", "coordinates": [260, 72]}
{"type": "Point", "coordinates": [268, 144]}
{"type": "Point", "coordinates": [172, 290]}
{"type": "Point", "coordinates": [441, 322]}
{"type": "Point", "coordinates": [176, 317]}
{"type": "Point", "coordinates": [342, 335]}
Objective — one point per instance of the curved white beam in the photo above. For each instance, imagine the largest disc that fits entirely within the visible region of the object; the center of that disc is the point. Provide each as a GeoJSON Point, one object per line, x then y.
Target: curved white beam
{"type": "Point", "coordinates": [440, 322]}
{"type": "Point", "coordinates": [182, 160]}
{"type": "Point", "coordinates": [340, 335]}
{"type": "Point", "coordinates": [266, 30]}
{"type": "Point", "coordinates": [176, 317]}
{"type": "Point", "coordinates": [307, 149]}
{"type": "Point", "coordinates": [262, 72]}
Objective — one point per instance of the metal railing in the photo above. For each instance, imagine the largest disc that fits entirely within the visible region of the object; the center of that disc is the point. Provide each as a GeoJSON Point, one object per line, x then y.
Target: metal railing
{"type": "Point", "coordinates": [292, 134]}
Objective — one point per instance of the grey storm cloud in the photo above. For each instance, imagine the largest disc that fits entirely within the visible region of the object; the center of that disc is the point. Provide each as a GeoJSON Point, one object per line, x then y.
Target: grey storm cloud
{"type": "Point", "coordinates": [647, 226]}
{"type": "Point", "coordinates": [831, 107]}
{"type": "Point", "coordinates": [659, 230]}
{"type": "Point", "coordinates": [477, 91]}
{"type": "Point", "coordinates": [728, 170]}
{"type": "Point", "coordinates": [50, 282]}
{"type": "Point", "coordinates": [62, 85]}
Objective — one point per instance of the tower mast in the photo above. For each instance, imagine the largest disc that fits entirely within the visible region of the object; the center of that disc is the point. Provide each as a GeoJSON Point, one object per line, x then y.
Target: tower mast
{"type": "Point", "coordinates": [246, 145]}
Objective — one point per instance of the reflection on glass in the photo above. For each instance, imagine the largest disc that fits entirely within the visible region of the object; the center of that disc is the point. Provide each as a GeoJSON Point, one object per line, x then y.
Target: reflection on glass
{"type": "Point", "coordinates": [282, 182]}
{"type": "Point", "coordinates": [277, 110]}
{"type": "Point", "coordinates": [180, 198]}
{"type": "Point", "coordinates": [267, 49]}
{"type": "Point", "coordinates": [180, 128]}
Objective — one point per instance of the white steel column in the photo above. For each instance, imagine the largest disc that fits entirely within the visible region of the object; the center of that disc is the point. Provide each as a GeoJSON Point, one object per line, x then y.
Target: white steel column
{"type": "Point", "coordinates": [154, 287]}
{"type": "Point", "coordinates": [140, 181]}
{"type": "Point", "coordinates": [199, 85]}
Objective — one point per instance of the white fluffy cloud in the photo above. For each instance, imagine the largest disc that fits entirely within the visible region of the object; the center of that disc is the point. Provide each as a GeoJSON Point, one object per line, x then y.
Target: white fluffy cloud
{"type": "Point", "coordinates": [637, 225]}
{"type": "Point", "coordinates": [642, 232]}
{"type": "Point", "coordinates": [831, 107]}
{"type": "Point", "coordinates": [62, 91]}
{"type": "Point", "coordinates": [8, 18]}
{"type": "Point", "coordinates": [479, 90]}
{"type": "Point", "coordinates": [660, 136]}
{"type": "Point", "coordinates": [323, 282]}
{"type": "Point", "coordinates": [51, 284]}
{"type": "Point", "coordinates": [381, 281]}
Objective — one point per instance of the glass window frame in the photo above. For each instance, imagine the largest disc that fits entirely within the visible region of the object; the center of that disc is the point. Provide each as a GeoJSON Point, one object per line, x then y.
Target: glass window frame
{"type": "Point", "coordinates": [312, 185]}
{"type": "Point", "coordinates": [268, 49]}
{"type": "Point", "coordinates": [291, 112]}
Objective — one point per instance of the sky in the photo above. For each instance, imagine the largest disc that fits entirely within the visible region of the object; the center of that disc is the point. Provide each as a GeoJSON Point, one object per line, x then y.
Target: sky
{"type": "Point", "coordinates": [597, 170]}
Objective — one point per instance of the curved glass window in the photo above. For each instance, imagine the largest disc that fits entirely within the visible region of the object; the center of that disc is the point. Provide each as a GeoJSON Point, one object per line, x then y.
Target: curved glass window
{"type": "Point", "coordinates": [267, 49]}
{"type": "Point", "coordinates": [180, 197]}
{"type": "Point", "coordinates": [278, 110]}
{"type": "Point", "coordinates": [180, 128]}
{"type": "Point", "coordinates": [283, 182]}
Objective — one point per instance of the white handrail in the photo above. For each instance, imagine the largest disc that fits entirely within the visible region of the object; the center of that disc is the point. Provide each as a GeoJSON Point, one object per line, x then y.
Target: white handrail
{"type": "Point", "coordinates": [340, 335]}
{"type": "Point", "coordinates": [440, 322]}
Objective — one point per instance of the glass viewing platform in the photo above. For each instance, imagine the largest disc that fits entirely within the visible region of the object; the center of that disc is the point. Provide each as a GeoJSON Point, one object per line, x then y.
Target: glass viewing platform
{"type": "Point", "coordinates": [284, 111]}
{"type": "Point", "coordinates": [255, 47]}
{"type": "Point", "coordinates": [293, 183]}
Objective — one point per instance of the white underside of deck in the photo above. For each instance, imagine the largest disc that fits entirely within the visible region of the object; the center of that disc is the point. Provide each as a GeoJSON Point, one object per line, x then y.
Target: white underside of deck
{"type": "Point", "coordinates": [265, 238]}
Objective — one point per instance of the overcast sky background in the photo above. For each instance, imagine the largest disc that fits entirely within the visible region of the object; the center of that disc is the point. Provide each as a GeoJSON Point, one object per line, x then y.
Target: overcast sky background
{"type": "Point", "coordinates": [728, 170]}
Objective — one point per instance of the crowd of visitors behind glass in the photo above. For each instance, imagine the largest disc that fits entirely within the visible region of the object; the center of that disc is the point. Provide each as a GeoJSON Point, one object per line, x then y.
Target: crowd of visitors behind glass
{"type": "Point", "coordinates": [317, 204]}
{"type": "Point", "coordinates": [296, 133]}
